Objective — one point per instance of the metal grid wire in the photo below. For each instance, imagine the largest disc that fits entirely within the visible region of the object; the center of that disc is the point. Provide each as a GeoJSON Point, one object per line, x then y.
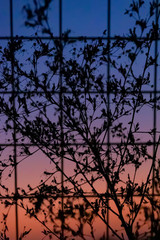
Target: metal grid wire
{"type": "Point", "coordinates": [108, 38]}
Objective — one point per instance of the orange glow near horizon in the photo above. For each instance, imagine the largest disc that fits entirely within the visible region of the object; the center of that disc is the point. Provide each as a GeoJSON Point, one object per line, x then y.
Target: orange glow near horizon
{"type": "Point", "coordinates": [31, 171]}
{"type": "Point", "coordinates": [53, 85]}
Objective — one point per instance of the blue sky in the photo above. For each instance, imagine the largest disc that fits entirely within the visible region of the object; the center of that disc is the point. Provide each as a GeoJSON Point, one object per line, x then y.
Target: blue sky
{"type": "Point", "coordinates": [82, 17]}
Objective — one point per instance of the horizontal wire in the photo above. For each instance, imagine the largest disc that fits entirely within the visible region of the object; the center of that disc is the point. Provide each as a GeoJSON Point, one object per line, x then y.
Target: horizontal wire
{"type": "Point", "coordinates": [19, 197]}
{"type": "Point", "coordinates": [71, 92]}
{"type": "Point", "coordinates": [78, 144]}
{"type": "Point", "coordinates": [80, 38]}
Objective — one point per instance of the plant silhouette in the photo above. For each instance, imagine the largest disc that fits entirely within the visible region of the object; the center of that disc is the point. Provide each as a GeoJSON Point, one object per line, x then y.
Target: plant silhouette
{"type": "Point", "coordinates": [93, 128]}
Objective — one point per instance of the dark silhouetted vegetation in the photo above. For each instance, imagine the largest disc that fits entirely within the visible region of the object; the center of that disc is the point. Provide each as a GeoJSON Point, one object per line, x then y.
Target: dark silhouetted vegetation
{"type": "Point", "coordinates": [93, 127]}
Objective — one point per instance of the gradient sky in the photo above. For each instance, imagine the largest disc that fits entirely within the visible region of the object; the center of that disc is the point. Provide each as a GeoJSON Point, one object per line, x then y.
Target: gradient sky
{"type": "Point", "coordinates": [83, 18]}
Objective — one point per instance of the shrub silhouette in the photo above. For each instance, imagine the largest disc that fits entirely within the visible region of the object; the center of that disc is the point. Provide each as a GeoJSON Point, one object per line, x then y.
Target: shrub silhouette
{"type": "Point", "coordinates": [69, 110]}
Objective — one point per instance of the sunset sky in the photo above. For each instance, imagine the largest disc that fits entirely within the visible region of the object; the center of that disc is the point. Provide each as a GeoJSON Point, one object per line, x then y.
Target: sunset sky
{"type": "Point", "coordinates": [83, 18]}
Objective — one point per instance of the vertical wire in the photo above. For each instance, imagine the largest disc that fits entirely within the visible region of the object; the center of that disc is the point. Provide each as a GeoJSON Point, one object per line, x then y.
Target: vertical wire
{"type": "Point", "coordinates": [61, 106]}
{"type": "Point", "coordinates": [154, 114]}
{"type": "Point", "coordinates": [108, 100]}
{"type": "Point", "coordinates": [14, 121]}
